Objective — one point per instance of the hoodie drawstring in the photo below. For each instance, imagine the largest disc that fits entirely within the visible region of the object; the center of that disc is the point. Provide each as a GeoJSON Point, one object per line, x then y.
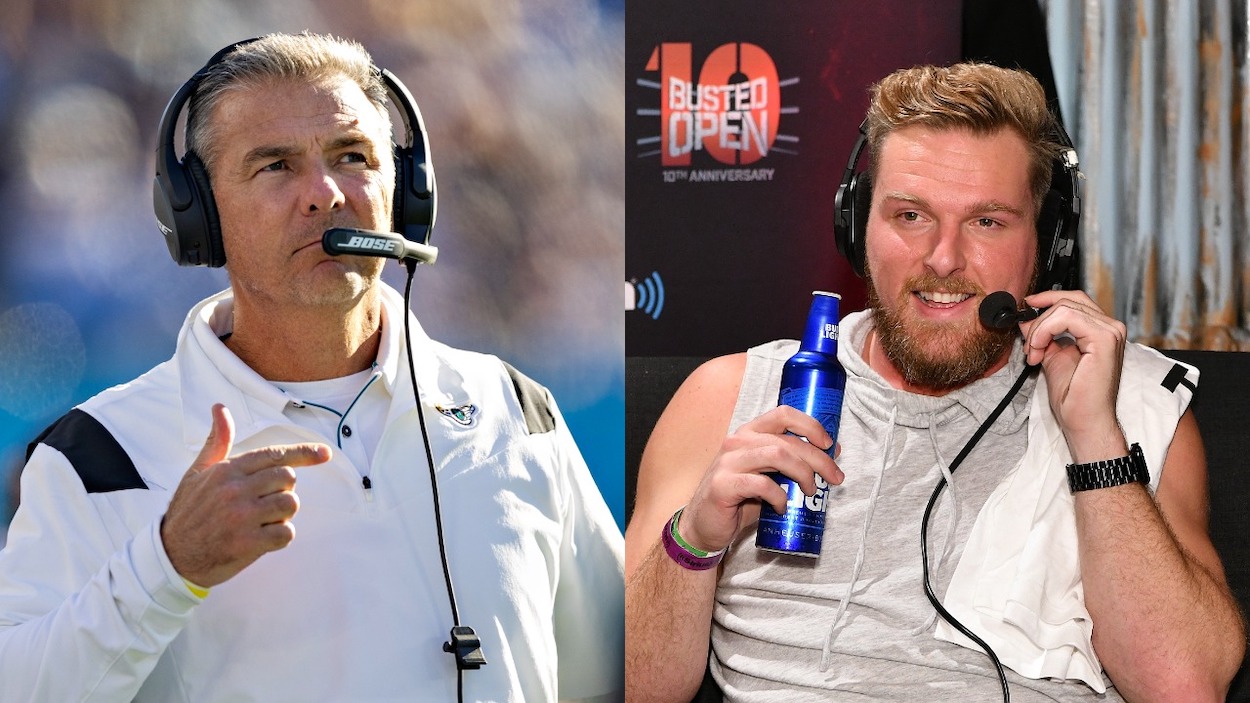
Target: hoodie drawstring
{"type": "Point", "coordinates": [952, 519]}
{"type": "Point", "coordinates": [827, 653]}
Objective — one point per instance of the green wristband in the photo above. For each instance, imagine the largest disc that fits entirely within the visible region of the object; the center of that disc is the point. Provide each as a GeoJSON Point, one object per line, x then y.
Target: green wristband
{"type": "Point", "coordinates": [702, 554]}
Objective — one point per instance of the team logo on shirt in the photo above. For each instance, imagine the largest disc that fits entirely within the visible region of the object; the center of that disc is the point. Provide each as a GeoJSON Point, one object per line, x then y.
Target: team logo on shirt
{"type": "Point", "coordinates": [464, 415]}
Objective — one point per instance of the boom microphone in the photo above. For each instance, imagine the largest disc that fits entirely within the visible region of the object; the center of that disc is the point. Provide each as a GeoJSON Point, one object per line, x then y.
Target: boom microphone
{"type": "Point", "coordinates": [999, 311]}
{"type": "Point", "coordinates": [363, 242]}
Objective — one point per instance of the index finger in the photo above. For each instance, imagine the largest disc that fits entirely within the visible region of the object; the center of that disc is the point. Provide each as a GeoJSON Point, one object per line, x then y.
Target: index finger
{"type": "Point", "coordinates": [294, 455]}
{"type": "Point", "coordinates": [783, 419]}
{"type": "Point", "coordinates": [1048, 298]}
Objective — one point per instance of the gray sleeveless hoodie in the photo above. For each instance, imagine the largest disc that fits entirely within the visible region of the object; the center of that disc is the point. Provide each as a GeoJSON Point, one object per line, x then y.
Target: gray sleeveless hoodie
{"type": "Point", "coordinates": [854, 623]}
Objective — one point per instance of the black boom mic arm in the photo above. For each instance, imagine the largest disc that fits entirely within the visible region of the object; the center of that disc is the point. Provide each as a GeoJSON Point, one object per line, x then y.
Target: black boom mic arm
{"type": "Point", "coordinates": [363, 242]}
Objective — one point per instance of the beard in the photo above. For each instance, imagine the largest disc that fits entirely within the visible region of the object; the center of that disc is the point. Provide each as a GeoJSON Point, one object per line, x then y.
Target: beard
{"type": "Point", "coordinates": [936, 356]}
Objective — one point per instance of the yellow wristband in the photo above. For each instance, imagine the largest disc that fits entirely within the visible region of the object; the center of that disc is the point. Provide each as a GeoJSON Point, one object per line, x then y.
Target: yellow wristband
{"type": "Point", "coordinates": [197, 591]}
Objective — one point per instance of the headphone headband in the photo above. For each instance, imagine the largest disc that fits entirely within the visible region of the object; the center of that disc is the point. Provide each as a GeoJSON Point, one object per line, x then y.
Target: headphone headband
{"type": "Point", "coordinates": [415, 207]}
{"type": "Point", "coordinates": [182, 194]}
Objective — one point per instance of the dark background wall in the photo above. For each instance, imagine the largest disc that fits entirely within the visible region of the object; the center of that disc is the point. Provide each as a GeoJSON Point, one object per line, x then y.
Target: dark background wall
{"type": "Point", "coordinates": [725, 237]}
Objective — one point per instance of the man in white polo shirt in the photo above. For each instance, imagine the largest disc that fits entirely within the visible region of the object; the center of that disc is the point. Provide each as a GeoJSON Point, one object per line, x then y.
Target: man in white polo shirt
{"type": "Point", "coordinates": [303, 554]}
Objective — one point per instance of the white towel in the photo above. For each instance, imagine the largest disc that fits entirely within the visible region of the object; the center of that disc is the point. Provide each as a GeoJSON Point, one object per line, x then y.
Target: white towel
{"type": "Point", "coordinates": [1018, 582]}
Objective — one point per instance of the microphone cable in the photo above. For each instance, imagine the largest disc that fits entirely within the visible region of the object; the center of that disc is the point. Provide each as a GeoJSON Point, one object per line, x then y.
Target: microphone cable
{"type": "Point", "coordinates": [924, 530]}
{"type": "Point", "coordinates": [464, 643]}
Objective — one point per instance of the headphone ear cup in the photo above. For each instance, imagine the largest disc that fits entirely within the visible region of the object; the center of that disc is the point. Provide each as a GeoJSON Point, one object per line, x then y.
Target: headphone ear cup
{"type": "Point", "coordinates": [1059, 219]}
{"type": "Point", "coordinates": [166, 216]}
{"type": "Point", "coordinates": [399, 197]}
{"type": "Point", "coordinates": [851, 207]}
{"type": "Point", "coordinates": [842, 218]}
{"type": "Point", "coordinates": [1056, 246]}
{"type": "Point", "coordinates": [411, 214]}
{"type": "Point", "coordinates": [848, 225]}
{"type": "Point", "coordinates": [182, 195]}
{"type": "Point", "coordinates": [199, 228]}
{"type": "Point", "coordinates": [861, 205]}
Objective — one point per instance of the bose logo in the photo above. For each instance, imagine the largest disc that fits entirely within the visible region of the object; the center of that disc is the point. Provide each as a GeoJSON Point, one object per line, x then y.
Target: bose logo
{"type": "Point", "coordinates": [370, 243]}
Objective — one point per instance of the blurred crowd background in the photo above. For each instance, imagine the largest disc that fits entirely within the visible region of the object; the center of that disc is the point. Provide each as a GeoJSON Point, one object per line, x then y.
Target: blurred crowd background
{"type": "Point", "coordinates": [524, 109]}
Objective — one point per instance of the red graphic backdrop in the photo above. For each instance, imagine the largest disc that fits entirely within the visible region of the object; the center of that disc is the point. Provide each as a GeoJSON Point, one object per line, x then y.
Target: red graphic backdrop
{"type": "Point", "coordinates": [740, 119]}
{"type": "Point", "coordinates": [731, 112]}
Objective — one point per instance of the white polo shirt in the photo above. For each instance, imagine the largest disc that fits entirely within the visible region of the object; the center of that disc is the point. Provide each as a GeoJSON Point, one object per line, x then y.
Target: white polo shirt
{"type": "Point", "coordinates": [356, 608]}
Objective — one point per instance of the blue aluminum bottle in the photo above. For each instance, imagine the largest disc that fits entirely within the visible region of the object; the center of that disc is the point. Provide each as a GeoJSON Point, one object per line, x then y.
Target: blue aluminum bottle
{"type": "Point", "coordinates": [813, 381]}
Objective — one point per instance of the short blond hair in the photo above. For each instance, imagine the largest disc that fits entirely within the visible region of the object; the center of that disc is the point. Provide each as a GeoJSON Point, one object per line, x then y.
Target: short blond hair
{"type": "Point", "coordinates": [978, 97]}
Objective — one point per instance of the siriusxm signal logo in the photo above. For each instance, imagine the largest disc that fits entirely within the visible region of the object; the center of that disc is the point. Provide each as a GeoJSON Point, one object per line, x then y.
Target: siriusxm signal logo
{"type": "Point", "coordinates": [646, 295]}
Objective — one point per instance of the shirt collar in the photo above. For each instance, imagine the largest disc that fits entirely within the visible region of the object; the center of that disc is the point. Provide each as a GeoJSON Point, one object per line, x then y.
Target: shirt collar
{"type": "Point", "coordinates": [440, 384]}
{"type": "Point", "coordinates": [211, 373]}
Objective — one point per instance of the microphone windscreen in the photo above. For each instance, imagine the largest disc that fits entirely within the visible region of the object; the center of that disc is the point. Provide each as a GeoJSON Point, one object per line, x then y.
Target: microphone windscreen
{"type": "Point", "coordinates": [998, 310]}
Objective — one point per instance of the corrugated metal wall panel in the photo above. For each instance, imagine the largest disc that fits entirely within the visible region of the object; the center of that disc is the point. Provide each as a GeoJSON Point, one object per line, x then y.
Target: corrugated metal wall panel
{"type": "Point", "coordinates": [1154, 93]}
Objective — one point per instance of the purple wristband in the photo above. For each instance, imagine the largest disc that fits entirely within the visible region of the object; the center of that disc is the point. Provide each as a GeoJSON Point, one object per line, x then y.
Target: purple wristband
{"type": "Point", "coordinates": [683, 557]}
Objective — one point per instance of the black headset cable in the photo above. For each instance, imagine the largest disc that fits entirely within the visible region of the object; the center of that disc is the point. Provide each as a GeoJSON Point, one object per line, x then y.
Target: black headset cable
{"type": "Point", "coordinates": [924, 530]}
{"type": "Point", "coordinates": [464, 660]}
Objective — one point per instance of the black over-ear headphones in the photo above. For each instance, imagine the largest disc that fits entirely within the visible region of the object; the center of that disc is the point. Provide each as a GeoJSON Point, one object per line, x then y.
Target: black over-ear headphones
{"type": "Point", "coordinates": [183, 196]}
{"type": "Point", "coordinates": [1056, 221]}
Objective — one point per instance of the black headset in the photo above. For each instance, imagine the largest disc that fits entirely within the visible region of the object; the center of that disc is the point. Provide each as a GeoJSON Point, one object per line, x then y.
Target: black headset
{"type": "Point", "coordinates": [183, 196]}
{"type": "Point", "coordinates": [1056, 221]}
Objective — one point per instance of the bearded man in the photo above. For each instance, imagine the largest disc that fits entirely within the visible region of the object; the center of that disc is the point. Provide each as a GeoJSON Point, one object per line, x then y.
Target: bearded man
{"type": "Point", "coordinates": [1071, 547]}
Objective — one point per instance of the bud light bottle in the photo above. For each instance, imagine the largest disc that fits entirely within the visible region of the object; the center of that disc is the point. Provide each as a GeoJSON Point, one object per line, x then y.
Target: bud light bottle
{"type": "Point", "coordinates": [812, 381]}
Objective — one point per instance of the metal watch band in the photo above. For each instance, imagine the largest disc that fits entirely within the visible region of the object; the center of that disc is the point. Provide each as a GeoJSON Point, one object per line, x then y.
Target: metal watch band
{"type": "Point", "coordinates": [1109, 472]}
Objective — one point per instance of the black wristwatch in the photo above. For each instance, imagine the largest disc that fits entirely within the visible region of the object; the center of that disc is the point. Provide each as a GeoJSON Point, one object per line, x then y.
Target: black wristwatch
{"type": "Point", "coordinates": [1109, 472]}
